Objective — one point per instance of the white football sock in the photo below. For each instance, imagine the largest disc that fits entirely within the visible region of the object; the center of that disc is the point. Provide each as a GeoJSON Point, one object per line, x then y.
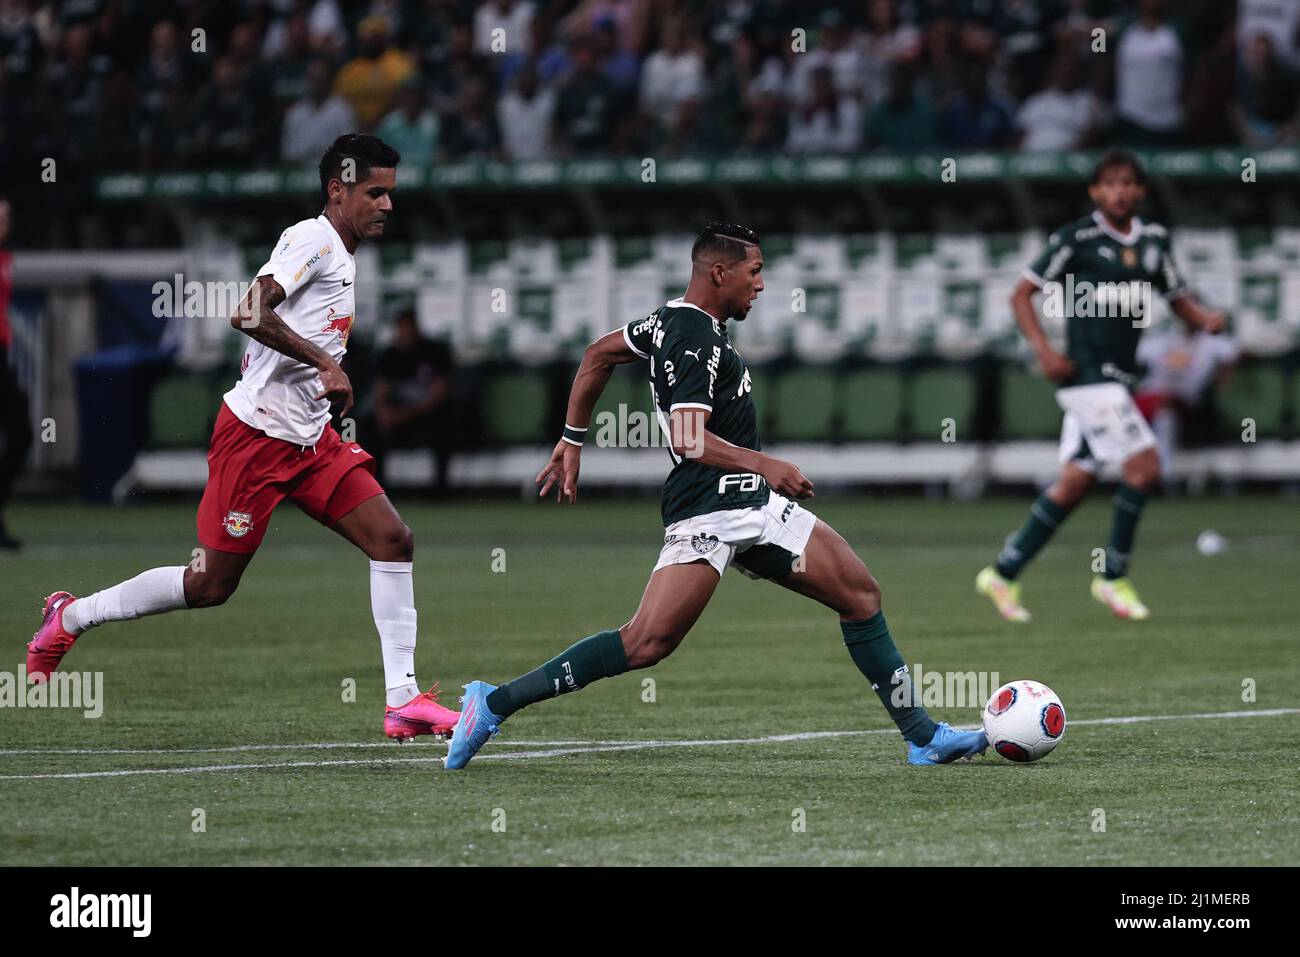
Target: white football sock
{"type": "Point", "coordinates": [392, 601]}
{"type": "Point", "coordinates": [149, 593]}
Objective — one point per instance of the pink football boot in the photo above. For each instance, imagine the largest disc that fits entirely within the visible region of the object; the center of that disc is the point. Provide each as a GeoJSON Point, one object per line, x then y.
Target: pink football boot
{"type": "Point", "coordinates": [51, 642]}
{"type": "Point", "coordinates": [421, 715]}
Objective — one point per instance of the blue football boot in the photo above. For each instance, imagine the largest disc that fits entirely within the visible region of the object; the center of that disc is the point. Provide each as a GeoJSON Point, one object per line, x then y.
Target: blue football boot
{"type": "Point", "coordinates": [947, 745]}
{"type": "Point", "coordinates": [477, 723]}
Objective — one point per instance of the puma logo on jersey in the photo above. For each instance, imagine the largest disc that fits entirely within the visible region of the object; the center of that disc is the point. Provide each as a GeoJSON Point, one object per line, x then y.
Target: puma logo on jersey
{"type": "Point", "coordinates": [694, 355]}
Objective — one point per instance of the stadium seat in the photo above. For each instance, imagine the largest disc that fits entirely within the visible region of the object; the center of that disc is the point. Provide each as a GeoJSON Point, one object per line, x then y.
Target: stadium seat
{"type": "Point", "coordinates": [870, 403]}
{"type": "Point", "coordinates": [1255, 392]}
{"type": "Point", "coordinates": [515, 405]}
{"type": "Point", "coordinates": [803, 405]}
{"type": "Point", "coordinates": [181, 411]}
{"type": "Point", "coordinates": [1029, 409]}
{"type": "Point", "coordinates": [938, 394]}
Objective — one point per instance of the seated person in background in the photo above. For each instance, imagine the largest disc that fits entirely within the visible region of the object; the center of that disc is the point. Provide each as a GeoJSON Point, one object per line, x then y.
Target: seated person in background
{"type": "Point", "coordinates": [1181, 366]}
{"type": "Point", "coordinates": [413, 398]}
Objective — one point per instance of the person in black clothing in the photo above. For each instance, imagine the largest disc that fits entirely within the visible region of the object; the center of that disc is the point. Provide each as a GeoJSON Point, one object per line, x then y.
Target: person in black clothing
{"type": "Point", "coordinates": [413, 398]}
{"type": "Point", "coordinates": [15, 429]}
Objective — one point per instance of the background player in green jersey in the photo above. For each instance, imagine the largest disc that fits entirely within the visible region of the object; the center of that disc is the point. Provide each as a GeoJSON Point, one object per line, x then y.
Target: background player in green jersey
{"type": "Point", "coordinates": [724, 502]}
{"type": "Point", "coordinates": [1101, 270]}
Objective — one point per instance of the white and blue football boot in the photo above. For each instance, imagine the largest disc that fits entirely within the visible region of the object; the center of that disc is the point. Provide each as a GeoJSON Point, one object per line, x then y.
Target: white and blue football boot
{"type": "Point", "coordinates": [947, 745]}
{"type": "Point", "coordinates": [477, 723]}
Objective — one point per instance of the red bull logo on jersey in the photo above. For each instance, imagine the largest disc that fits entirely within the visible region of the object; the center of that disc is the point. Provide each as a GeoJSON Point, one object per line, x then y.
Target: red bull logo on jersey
{"type": "Point", "coordinates": [340, 324]}
{"type": "Point", "coordinates": [238, 524]}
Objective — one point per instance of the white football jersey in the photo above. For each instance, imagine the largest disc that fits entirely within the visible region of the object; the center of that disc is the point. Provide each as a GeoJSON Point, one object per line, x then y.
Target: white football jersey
{"type": "Point", "coordinates": [276, 393]}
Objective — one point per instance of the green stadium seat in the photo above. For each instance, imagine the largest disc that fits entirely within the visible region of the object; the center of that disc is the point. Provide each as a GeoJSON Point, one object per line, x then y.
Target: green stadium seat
{"type": "Point", "coordinates": [182, 409]}
{"type": "Point", "coordinates": [938, 394]}
{"type": "Point", "coordinates": [515, 405]}
{"type": "Point", "coordinates": [1255, 392]}
{"type": "Point", "coordinates": [1029, 409]}
{"type": "Point", "coordinates": [804, 406]}
{"type": "Point", "coordinates": [870, 404]}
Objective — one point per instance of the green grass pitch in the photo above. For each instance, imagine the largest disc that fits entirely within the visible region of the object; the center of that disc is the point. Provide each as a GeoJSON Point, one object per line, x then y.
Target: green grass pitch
{"type": "Point", "coordinates": [259, 684]}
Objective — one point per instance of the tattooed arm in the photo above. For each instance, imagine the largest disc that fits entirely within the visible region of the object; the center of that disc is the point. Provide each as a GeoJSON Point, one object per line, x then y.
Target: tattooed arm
{"type": "Point", "coordinates": [256, 318]}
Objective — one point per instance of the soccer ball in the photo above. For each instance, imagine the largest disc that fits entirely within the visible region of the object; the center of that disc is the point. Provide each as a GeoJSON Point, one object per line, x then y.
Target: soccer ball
{"type": "Point", "coordinates": [1024, 720]}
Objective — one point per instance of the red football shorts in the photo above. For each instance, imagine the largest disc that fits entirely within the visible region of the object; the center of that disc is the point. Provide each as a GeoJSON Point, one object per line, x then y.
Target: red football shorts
{"type": "Point", "coordinates": [250, 473]}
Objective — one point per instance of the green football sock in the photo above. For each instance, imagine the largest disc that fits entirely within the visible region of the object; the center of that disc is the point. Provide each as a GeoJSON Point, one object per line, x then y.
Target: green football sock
{"type": "Point", "coordinates": [873, 651]}
{"type": "Point", "coordinates": [597, 656]}
{"type": "Point", "coordinates": [1123, 527]}
{"type": "Point", "coordinates": [1044, 516]}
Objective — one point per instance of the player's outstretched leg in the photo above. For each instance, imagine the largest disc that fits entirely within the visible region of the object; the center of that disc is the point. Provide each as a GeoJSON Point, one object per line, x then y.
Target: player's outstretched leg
{"type": "Point", "coordinates": [65, 618]}
{"type": "Point", "coordinates": [1112, 588]}
{"type": "Point", "coordinates": [375, 527]}
{"type": "Point", "coordinates": [998, 581]}
{"type": "Point", "coordinates": [672, 602]}
{"type": "Point", "coordinates": [832, 574]}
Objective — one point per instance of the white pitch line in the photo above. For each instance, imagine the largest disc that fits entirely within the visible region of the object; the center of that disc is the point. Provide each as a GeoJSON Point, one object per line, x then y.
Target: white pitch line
{"type": "Point", "coordinates": [601, 747]}
{"type": "Point", "coordinates": [307, 746]}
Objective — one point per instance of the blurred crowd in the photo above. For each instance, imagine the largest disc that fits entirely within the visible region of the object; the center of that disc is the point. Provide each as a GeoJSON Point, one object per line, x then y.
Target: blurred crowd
{"type": "Point", "coordinates": [162, 84]}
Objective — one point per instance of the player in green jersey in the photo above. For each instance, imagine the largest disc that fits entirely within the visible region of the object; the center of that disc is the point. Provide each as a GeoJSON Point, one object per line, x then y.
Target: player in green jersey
{"type": "Point", "coordinates": [1099, 271]}
{"type": "Point", "coordinates": [724, 502]}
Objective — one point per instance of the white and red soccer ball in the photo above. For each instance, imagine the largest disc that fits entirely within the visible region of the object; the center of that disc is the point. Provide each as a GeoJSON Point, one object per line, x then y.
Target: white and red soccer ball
{"type": "Point", "coordinates": [1024, 720]}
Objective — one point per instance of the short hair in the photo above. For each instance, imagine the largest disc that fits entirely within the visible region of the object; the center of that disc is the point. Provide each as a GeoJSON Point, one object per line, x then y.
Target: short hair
{"type": "Point", "coordinates": [366, 151]}
{"type": "Point", "coordinates": [1118, 158]}
{"type": "Point", "coordinates": [723, 242]}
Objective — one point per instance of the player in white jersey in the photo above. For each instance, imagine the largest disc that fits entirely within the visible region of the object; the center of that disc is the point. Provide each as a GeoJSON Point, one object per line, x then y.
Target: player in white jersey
{"type": "Point", "coordinates": [273, 440]}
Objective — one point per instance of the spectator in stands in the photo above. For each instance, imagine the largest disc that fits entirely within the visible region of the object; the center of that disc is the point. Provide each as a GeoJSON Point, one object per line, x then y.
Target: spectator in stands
{"type": "Point", "coordinates": [1279, 19]}
{"type": "Point", "coordinates": [167, 132]}
{"type": "Point", "coordinates": [904, 122]}
{"type": "Point", "coordinates": [1027, 33]}
{"type": "Point", "coordinates": [165, 69]}
{"type": "Point", "coordinates": [116, 140]}
{"type": "Point", "coordinates": [15, 426]}
{"type": "Point", "coordinates": [451, 70]}
{"type": "Point", "coordinates": [225, 132]}
{"type": "Point", "coordinates": [585, 115]}
{"type": "Point", "coordinates": [412, 128]}
{"type": "Point", "coordinates": [20, 45]}
{"type": "Point", "coordinates": [370, 80]}
{"type": "Point", "coordinates": [1060, 116]}
{"type": "Point", "coordinates": [244, 49]}
{"type": "Point", "coordinates": [289, 63]}
{"type": "Point", "coordinates": [836, 52]}
{"type": "Point", "coordinates": [884, 43]}
{"type": "Point", "coordinates": [975, 119]}
{"type": "Point", "coordinates": [1265, 112]}
{"type": "Point", "coordinates": [828, 121]}
{"type": "Point", "coordinates": [1149, 62]}
{"type": "Point", "coordinates": [315, 121]}
{"type": "Point", "coordinates": [75, 88]}
{"type": "Point", "coordinates": [623, 69]}
{"type": "Point", "coordinates": [526, 115]}
{"type": "Point", "coordinates": [672, 81]}
{"type": "Point", "coordinates": [472, 130]}
{"type": "Point", "coordinates": [413, 394]}
{"type": "Point", "coordinates": [511, 17]}
{"type": "Point", "coordinates": [548, 58]}
{"type": "Point", "coordinates": [765, 124]}
{"type": "Point", "coordinates": [632, 21]}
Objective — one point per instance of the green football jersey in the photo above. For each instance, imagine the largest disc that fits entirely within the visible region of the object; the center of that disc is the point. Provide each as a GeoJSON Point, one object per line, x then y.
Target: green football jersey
{"type": "Point", "coordinates": [1093, 271]}
{"type": "Point", "coordinates": [693, 365]}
